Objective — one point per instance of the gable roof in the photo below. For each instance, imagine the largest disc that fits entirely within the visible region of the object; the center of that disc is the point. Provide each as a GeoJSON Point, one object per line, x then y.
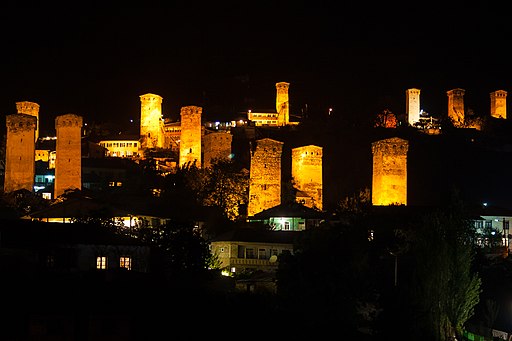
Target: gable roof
{"type": "Point", "coordinates": [258, 235]}
{"type": "Point", "coordinates": [292, 209]}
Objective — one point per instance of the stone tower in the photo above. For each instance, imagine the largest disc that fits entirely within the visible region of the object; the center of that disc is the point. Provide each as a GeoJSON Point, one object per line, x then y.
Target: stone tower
{"type": "Point", "coordinates": [20, 152]}
{"type": "Point", "coordinates": [282, 103]}
{"type": "Point", "coordinates": [389, 182]}
{"type": "Point", "coordinates": [190, 138]}
{"type": "Point", "coordinates": [265, 176]}
{"type": "Point", "coordinates": [307, 173]}
{"type": "Point", "coordinates": [456, 106]}
{"type": "Point", "coordinates": [29, 108]}
{"type": "Point", "coordinates": [499, 104]}
{"type": "Point", "coordinates": [68, 162]}
{"type": "Point", "coordinates": [151, 122]}
{"type": "Point", "coordinates": [216, 145]}
{"type": "Point", "coordinates": [412, 105]}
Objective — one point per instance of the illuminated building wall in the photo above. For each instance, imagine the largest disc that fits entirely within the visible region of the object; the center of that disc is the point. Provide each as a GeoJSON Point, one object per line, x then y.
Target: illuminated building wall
{"type": "Point", "coordinates": [282, 115]}
{"type": "Point", "coordinates": [121, 148]}
{"type": "Point", "coordinates": [68, 162]}
{"type": "Point", "coordinates": [216, 145]}
{"type": "Point", "coordinates": [412, 104]}
{"type": "Point", "coordinates": [172, 133]}
{"type": "Point", "coordinates": [151, 122]}
{"type": "Point", "coordinates": [389, 182]}
{"type": "Point", "coordinates": [456, 106]}
{"type": "Point", "coordinates": [265, 176]}
{"type": "Point", "coordinates": [19, 152]}
{"type": "Point", "coordinates": [307, 173]}
{"type": "Point", "coordinates": [499, 104]}
{"type": "Point", "coordinates": [282, 103]}
{"type": "Point", "coordinates": [29, 108]}
{"type": "Point", "coordinates": [190, 139]}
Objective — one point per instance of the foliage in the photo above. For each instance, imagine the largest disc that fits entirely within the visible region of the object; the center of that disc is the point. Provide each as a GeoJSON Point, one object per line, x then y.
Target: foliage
{"type": "Point", "coordinates": [357, 203]}
{"type": "Point", "coordinates": [386, 119]}
{"type": "Point", "coordinates": [181, 247]}
{"type": "Point", "coordinates": [225, 187]}
{"type": "Point", "coordinates": [329, 274]}
{"type": "Point", "coordinates": [443, 290]}
{"type": "Point", "coordinates": [24, 202]}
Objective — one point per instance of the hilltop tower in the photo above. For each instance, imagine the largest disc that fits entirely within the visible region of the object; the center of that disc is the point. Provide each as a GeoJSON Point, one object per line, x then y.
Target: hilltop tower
{"type": "Point", "coordinates": [68, 162]}
{"type": "Point", "coordinates": [412, 105]}
{"type": "Point", "coordinates": [456, 106]}
{"type": "Point", "coordinates": [190, 138]}
{"type": "Point", "coordinates": [216, 145]}
{"type": "Point", "coordinates": [389, 183]}
{"type": "Point", "coordinates": [20, 152]}
{"type": "Point", "coordinates": [265, 176]}
{"type": "Point", "coordinates": [29, 108]}
{"type": "Point", "coordinates": [499, 104]}
{"type": "Point", "coordinates": [307, 173]}
{"type": "Point", "coordinates": [282, 103]}
{"type": "Point", "coordinates": [151, 122]}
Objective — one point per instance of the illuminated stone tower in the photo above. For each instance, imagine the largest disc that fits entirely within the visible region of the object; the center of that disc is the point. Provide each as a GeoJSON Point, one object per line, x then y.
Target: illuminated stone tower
{"type": "Point", "coordinates": [20, 152]}
{"type": "Point", "coordinates": [265, 176]}
{"type": "Point", "coordinates": [29, 108]}
{"type": "Point", "coordinates": [456, 106]}
{"type": "Point", "coordinates": [216, 145]}
{"type": "Point", "coordinates": [389, 183]}
{"type": "Point", "coordinates": [68, 162]}
{"type": "Point", "coordinates": [151, 122]}
{"type": "Point", "coordinates": [499, 104]}
{"type": "Point", "coordinates": [307, 173]}
{"type": "Point", "coordinates": [282, 103]}
{"type": "Point", "coordinates": [412, 105]}
{"type": "Point", "coordinates": [190, 139]}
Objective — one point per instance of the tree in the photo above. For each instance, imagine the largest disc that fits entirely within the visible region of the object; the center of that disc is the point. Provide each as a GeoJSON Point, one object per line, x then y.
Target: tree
{"type": "Point", "coordinates": [181, 249]}
{"type": "Point", "coordinates": [328, 274]}
{"type": "Point", "coordinates": [443, 289]}
{"type": "Point", "coordinates": [226, 187]}
{"type": "Point", "coordinates": [386, 119]}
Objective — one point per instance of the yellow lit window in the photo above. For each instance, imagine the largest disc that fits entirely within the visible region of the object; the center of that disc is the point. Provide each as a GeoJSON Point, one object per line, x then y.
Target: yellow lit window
{"type": "Point", "coordinates": [125, 263]}
{"type": "Point", "coordinates": [101, 262]}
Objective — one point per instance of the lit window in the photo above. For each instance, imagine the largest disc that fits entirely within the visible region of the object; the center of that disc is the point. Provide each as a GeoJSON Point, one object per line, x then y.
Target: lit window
{"type": "Point", "coordinates": [125, 263]}
{"type": "Point", "coordinates": [101, 262]}
{"type": "Point", "coordinates": [287, 225]}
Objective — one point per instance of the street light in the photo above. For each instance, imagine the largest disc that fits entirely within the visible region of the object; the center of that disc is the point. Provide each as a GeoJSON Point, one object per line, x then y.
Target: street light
{"type": "Point", "coordinates": [330, 111]}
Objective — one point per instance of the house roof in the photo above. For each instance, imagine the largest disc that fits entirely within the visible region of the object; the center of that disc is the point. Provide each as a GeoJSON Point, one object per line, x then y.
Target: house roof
{"type": "Point", "coordinates": [258, 235]}
{"type": "Point", "coordinates": [18, 232]}
{"type": "Point", "coordinates": [293, 209]}
{"type": "Point", "coordinates": [79, 207]}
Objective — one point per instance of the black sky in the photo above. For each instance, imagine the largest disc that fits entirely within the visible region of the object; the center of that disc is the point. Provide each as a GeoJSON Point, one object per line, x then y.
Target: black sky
{"type": "Point", "coordinates": [95, 60]}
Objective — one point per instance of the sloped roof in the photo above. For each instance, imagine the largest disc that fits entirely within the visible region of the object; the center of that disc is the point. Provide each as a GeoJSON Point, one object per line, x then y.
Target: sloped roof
{"type": "Point", "coordinates": [79, 207]}
{"type": "Point", "coordinates": [17, 232]}
{"type": "Point", "coordinates": [258, 235]}
{"type": "Point", "coordinates": [295, 210]}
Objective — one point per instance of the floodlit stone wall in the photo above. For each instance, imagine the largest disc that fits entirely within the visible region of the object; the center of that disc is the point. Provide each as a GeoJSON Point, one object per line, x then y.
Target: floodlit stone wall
{"type": "Point", "coordinates": [307, 173]}
{"type": "Point", "coordinates": [389, 182]}
{"type": "Point", "coordinates": [68, 162]}
{"type": "Point", "coordinates": [499, 104]}
{"type": "Point", "coordinates": [190, 139]}
{"type": "Point", "coordinates": [412, 104]}
{"type": "Point", "coordinates": [282, 103]}
{"type": "Point", "coordinates": [265, 176]}
{"type": "Point", "coordinates": [216, 145]}
{"type": "Point", "coordinates": [20, 152]}
{"type": "Point", "coordinates": [456, 106]}
{"type": "Point", "coordinates": [151, 122]}
{"type": "Point", "coordinates": [29, 108]}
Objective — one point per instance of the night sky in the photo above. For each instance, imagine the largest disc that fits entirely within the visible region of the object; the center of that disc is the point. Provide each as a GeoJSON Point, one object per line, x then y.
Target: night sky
{"type": "Point", "coordinates": [96, 60]}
